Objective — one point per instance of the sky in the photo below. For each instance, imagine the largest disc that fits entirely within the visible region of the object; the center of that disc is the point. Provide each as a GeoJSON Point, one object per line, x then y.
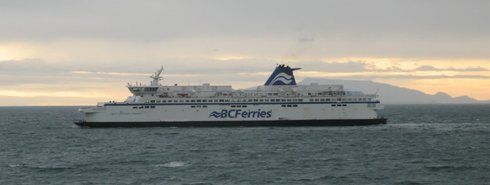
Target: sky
{"type": "Point", "coordinates": [58, 52]}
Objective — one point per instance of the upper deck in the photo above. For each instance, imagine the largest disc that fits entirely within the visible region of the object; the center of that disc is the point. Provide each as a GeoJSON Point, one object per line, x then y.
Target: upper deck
{"type": "Point", "coordinates": [281, 84]}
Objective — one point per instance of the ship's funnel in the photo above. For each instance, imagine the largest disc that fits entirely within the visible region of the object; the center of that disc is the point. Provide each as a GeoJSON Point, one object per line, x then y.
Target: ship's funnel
{"type": "Point", "coordinates": [282, 75]}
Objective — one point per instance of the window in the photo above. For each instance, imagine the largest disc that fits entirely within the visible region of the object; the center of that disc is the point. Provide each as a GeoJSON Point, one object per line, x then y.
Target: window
{"type": "Point", "coordinates": [153, 106]}
{"type": "Point", "coordinates": [295, 105]}
{"type": "Point", "coordinates": [273, 100]}
{"type": "Point", "coordinates": [146, 107]}
{"type": "Point", "coordinates": [244, 106]}
{"type": "Point", "coordinates": [289, 105]}
{"type": "Point", "coordinates": [193, 106]}
{"type": "Point", "coordinates": [204, 106]}
{"type": "Point", "coordinates": [283, 105]}
{"type": "Point", "coordinates": [193, 100]}
{"type": "Point", "coordinates": [198, 101]}
{"type": "Point", "coordinates": [187, 101]}
{"type": "Point", "coordinates": [135, 107]}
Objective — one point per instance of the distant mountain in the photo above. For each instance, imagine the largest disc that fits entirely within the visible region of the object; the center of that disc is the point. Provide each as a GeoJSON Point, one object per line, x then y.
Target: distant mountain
{"type": "Point", "coordinates": [391, 94]}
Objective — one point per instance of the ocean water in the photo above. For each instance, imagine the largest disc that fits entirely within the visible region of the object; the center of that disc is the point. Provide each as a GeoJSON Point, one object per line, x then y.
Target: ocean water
{"type": "Point", "coordinates": [421, 144]}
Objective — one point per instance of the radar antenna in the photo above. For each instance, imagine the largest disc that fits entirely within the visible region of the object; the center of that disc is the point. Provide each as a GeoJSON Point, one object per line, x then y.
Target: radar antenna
{"type": "Point", "coordinates": [156, 77]}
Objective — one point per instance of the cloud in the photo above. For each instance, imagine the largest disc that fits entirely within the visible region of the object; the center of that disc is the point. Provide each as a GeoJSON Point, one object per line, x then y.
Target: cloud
{"type": "Point", "coordinates": [432, 68]}
{"type": "Point", "coordinates": [66, 94]}
{"type": "Point", "coordinates": [306, 39]}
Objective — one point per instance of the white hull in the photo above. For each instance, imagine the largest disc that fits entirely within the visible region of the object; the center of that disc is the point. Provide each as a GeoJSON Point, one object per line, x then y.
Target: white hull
{"type": "Point", "coordinates": [253, 112]}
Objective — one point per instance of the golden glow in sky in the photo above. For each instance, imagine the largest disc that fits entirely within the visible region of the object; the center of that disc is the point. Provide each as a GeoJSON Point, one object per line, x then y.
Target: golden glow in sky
{"type": "Point", "coordinates": [81, 52]}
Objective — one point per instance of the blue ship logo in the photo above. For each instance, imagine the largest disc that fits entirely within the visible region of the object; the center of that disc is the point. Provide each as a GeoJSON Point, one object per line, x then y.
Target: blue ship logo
{"type": "Point", "coordinates": [215, 114]}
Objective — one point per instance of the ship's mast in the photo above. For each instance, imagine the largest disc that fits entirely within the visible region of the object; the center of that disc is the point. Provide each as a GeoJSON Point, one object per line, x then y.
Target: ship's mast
{"type": "Point", "coordinates": [156, 77]}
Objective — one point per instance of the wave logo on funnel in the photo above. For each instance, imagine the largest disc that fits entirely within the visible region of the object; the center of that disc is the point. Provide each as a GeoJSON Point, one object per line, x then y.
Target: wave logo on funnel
{"type": "Point", "coordinates": [284, 78]}
{"type": "Point", "coordinates": [282, 75]}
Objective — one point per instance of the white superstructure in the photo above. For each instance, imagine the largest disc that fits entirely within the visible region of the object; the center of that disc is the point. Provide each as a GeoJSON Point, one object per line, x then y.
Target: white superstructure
{"type": "Point", "coordinates": [279, 102]}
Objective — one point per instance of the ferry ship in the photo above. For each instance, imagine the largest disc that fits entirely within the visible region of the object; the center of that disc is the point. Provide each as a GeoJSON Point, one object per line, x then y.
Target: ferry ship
{"type": "Point", "coordinates": [279, 102]}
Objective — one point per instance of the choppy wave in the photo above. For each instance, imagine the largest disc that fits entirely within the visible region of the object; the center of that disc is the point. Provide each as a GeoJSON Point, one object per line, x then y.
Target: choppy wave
{"type": "Point", "coordinates": [173, 164]}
